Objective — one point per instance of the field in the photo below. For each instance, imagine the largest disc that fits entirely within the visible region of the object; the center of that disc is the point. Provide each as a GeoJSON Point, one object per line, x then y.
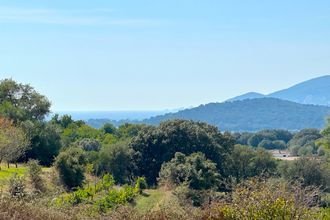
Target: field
{"type": "Point", "coordinates": [6, 173]}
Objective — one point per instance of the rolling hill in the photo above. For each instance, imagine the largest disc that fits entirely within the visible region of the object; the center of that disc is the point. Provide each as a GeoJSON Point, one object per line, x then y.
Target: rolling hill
{"type": "Point", "coordinates": [315, 91]}
{"type": "Point", "coordinates": [253, 115]}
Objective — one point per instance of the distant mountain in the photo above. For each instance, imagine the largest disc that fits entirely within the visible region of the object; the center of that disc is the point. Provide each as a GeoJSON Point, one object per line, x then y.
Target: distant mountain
{"type": "Point", "coordinates": [315, 91]}
{"type": "Point", "coordinates": [249, 95]}
{"type": "Point", "coordinates": [253, 115]}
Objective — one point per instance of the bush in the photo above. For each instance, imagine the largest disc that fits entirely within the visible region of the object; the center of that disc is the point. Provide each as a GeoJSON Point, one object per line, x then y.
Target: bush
{"type": "Point", "coordinates": [258, 199]}
{"type": "Point", "coordinates": [188, 196]}
{"type": "Point", "coordinates": [141, 184]}
{"type": "Point", "coordinates": [116, 160]}
{"type": "Point", "coordinates": [70, 166]}
{"type": "Point", "coordinates": [194, 170]}
{"type": "Point", "coordinates": [88, 144]}
{"type": "Point", "coordinates": [310, 171]}
{"type": "Point", "coordinates": [34, 172]}
{"type": "Point", "coordinates": [249, 162]}
{"type": "Point", "coordinates": [17, 186]}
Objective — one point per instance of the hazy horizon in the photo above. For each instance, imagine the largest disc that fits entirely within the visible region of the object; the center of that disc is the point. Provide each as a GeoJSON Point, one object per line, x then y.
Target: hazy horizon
{"type": "Point", "coordinates": [157, 55]}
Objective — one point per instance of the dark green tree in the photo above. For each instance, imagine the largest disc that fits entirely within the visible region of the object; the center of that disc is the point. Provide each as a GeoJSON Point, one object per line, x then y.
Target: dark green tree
{"type": "Point", "coordinates": [70, 166]}
{"type": "Point", "coordinates": [194, 170]}
{"type": "Point", "coordinates": [155, 145]}
{"type": "Point", "coordinates": [21, 102]}
{"type": "Point", "coordinates": [46, 141]}
{"type": "Point", "coordinates": [109, 128]}
{"type": "Point", "coordinates": [249, 162]}
{"type": "Point", "coordinates": [116, 160]}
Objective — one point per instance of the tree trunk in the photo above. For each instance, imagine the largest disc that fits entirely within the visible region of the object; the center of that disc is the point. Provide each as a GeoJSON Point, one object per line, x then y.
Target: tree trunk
{"type": "Point", "coordinates": [8, 165]}
{"type": "Point", "coordinates": [16, 165]}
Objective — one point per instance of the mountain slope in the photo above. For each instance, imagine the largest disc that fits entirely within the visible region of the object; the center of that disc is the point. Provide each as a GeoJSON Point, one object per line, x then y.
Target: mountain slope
{"type": "Point", "coordinates": [249, 95]}
{"type": "Point", "coordinates": [253, 114]}
{"type": "Point", "coordinates": [315, 91]}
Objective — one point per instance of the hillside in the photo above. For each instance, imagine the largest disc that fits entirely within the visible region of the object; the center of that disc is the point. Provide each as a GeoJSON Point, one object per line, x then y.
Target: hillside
{"type": "Point", "coordinates": [253, 114]}
{"type": "Point", "coordinates": [314, 91]}
{"type": "Point", "coordinates": [249, 95]}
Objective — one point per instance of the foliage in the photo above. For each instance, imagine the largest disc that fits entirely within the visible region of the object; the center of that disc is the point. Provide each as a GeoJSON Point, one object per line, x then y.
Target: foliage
{"type": "Point", "coordinates": [88, 144]}
{"type": "Point", "coordinates": [242, 138]}
{"type": "Point", "coordinates": [129, 130]}
{"type": "Point", "coordinates": [11, 208]}
{"type": "Point", "coordinates": [34, 173]}
{"type": "Point", "coordinates": [141, 184]}
{"type": "Point", "coordinates": [70, 166]}
{"type": "Point", "coordinates": [249, 162]}
{"type": "Point", "coordinates": [17, 186]}
{"type": "Point", "coordinates": [13, 141]}
{"type": "Point", "coordinates": [103, 196]}
{"type": "Point", "coordinates": [21, 102]}
{"type": "Point", "coordinates": [252, 115]}
{"type": "Point", "coordinates": [325, 141]}
{"type": "Point", "coordinates": [270, 139]}
{"type": "Point", "coordinates": [257, 199]}
{"type": "Point", "coordinates": [194, 170]}
{"type": "Point", "coordinates": [77, 131]}
{"type": "Point", "coordinates": [270, 145]}
{"type": "Point", "coordinates": [45, 142]}
{"type": "Point", "coordinates": [155, 145]}
{"type": "Point", "coordinates": [63, 121]}
{"type": "Point", "coordinates": [310, 171]}
{"type": "Point", "coordinates": [109, 128]}
{"type": "Point", "coordinates": [116, 159]}
{"type": "Point", "coordinates": [303, 142]}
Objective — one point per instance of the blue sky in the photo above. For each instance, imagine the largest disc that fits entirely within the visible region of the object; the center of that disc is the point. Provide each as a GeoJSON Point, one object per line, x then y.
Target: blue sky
{"type": "Point", "coordinates": [161, 54]}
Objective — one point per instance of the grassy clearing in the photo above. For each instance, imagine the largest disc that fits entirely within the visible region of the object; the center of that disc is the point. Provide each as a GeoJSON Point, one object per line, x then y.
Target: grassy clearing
{"type": "Point", "coordinates": [151, 200]}
{"type": "Point", "coordinates": [6, 173]}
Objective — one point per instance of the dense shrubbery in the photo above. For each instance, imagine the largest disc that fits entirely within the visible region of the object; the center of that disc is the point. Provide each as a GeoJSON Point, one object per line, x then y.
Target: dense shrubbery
{"type": "Point", "coordinates": [249, 162]}
{"type": "Point", "coordinates": [309, 171]}
{"type": "Point", "coordinates": [257, 199]}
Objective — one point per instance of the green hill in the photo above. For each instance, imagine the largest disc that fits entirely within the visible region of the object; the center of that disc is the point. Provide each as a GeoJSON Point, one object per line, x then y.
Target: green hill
{"type": "Point", "coordinates": [253, 115]}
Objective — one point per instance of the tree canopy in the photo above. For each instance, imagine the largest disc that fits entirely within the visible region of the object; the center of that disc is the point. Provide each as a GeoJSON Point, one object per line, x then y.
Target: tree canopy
{"type": "Point", "coordinates": [155, 145]}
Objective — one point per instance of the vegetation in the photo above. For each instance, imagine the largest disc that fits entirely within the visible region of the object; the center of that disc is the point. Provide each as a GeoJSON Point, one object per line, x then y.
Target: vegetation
{"type": "Point", "coordinates": [13, 141]}
{"type": "Point", "coordinates": [253, 115]}
{"type": "Point", "coordinates": [180, 169]}
{"type": "Point", "coordinates": [70, 166]}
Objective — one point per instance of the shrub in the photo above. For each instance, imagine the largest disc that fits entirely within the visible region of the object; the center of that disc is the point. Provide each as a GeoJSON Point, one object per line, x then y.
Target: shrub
{"type": "Point", "coordinates": [88, 144]}
{"type": "Point", "coordinates": [70, 165]}
{"type": "Point", "coordinates": [258, 199]}
{"type": "Point", "coordinates": [34, 172]}
{"type": "Point", "coordinates": [195, 170]}
{"type": "Point", "coordinates": [17, 186]}
{"type": "Point", "coordinates": [140, 184]}
{"type": "Point", "coordinates": [188, 196]}
{"type": "Point", "coordinates": [310, 171]}
{"type": "Point", "coordinates": [116, 159]}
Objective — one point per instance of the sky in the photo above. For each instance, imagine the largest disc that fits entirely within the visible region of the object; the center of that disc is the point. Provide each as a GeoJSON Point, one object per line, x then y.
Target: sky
{"type": "Point", "coordinates": [161, 54]}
